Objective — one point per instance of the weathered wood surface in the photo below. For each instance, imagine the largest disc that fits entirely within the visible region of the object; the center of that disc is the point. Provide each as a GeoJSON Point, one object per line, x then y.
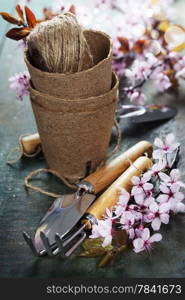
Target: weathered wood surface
{"type": "Point", "coordinates": [20, 210]}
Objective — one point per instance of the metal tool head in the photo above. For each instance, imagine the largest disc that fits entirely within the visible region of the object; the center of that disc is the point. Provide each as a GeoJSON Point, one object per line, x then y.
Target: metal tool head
{"type": "Point", "coordinates": [130, 111]}
{"type": "Point", "coordinates": [140, 114]}
{"type": "Point", "coordinates": [52, 235]}
{"type": "Point", "coordinates": [156, 113]}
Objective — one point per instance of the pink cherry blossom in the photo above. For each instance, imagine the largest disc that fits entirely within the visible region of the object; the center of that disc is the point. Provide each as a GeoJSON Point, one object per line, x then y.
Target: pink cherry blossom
{"type": "Point", "coordinates": [158, 214]}
{"type": "Point", "coordinates": [177, 206]}
{"type": "Point", "coordinates": [140, 70]}
{"type": "Point", "coordinates": [127, 220]}
{"type": "Point", "coordinates": [170, 194]}
{"type": "Point", "coordinates": [136, 211]}
{"type": "Point", "coordinates": [20, 83]}
{"type": "Point", "coordinates": [103, 229]}
{"type": "Point", "coordinates": [146, 241]}
{"type": "Point", "coordinates": [162, 82]}
{"type": "Point", "coordinates": [172, 178]}
{"type": "Point", "coordinates": [180, 64]}
{"type": "Point", "coordinates": [136, 96]}
{"type": "Point", "coordinates": [142, 188]}
{"type": "Point", "coordinates": [139, 230]}
{"type": "Point", "coordinates": [131, 233]}
{"type": "Point", "coordinates": [164, 147]}
{"type": "Point", "coordinates": [179, 67]}
{"type": "Point", "coordinates": [122, 202]}
{"type": "Point", "coordinates": [157, 168]}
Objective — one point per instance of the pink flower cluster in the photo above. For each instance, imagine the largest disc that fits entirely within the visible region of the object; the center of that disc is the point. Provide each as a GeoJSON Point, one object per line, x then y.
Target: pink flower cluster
{"type": "Point", "coordinates": [20, 83]}
{"type": "Point", "coordinates": [144, 68]}
{"type": "Point", "coordinates": [155, 195]}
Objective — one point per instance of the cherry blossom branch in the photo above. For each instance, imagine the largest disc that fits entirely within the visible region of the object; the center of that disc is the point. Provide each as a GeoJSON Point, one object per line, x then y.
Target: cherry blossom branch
{"type": "Point", "coordinates": [142, 212]}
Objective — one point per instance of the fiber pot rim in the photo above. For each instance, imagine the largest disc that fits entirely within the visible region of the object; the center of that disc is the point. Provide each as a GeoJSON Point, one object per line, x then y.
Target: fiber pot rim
{"type": "Point", "coordinates": [49, 74]}
{"type": "Point", "coordinates": [89, 100]}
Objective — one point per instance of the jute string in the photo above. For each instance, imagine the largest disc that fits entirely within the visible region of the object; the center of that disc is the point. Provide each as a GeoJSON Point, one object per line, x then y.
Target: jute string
{"type": "Point", "coordinates": [21, 152]}
{"type": "Point", "coordinates": [65, 180]}
{"type": "Point", "coordinates": [59, 46]}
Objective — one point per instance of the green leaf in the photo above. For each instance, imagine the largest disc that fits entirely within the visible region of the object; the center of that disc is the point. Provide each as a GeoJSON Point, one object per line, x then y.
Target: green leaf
{"type": "Point", "coordinates": [94, 248]}
{"type": "Point", "coordinates": [111, 256]}
{"type": "Point", "coordinates": [93, 253]}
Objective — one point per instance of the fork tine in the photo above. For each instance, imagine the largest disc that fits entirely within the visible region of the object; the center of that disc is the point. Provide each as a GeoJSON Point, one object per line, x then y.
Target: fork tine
{"type": "Point", "coordinates": [73, 248]}
{"type": "Point", "coordinates": [31, 245]}
{"type": "Point", "coordinates": [46, 243]}
{"type": "Point", "coordinates": [60, 245]}
{"type": "Point", "coordinates": [66, 242]}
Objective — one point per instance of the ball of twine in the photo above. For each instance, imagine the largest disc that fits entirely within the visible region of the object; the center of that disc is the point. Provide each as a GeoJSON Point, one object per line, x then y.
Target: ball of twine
{"type": "Point", "coordinates": [59, 46]}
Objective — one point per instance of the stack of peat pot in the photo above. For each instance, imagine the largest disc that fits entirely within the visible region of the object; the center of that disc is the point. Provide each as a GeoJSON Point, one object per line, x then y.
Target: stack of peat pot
{"type": "Point", "coordinates": [75, 112]}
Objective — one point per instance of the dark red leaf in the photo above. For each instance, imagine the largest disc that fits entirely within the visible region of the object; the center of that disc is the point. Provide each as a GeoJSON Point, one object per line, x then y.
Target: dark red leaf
{"type": "Point", "coordinates": [124, 44]}
{"type": "Point", "coordinates": [18, 33]}
{"type": "Point", "coordinates": [20, 12]}
{"type": "Point", "coordinates": [9, 18]}
{"type": "Point", "coordinates": [139, 46]}
{"type": "Point", "coordinates": [30, 17]}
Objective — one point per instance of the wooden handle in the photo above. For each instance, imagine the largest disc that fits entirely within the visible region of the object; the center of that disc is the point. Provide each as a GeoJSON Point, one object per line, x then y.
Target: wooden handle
{"type": "Point", "coordinates": [30, 143]}
{"type": "Point", "coordinates": [108, 173]}
{"type": "Point", "coordinates": [110, 197]}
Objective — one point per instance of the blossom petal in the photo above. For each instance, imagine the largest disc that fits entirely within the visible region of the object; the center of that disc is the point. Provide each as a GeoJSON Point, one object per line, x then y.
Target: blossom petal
{"type": "Point", "coordinates": [104, 227]}
{"type": "Point", "coordinates": [154, 207]}
{"type": "Point", "coordinates": [162, 198]}
{"type": "Point", "coordinates": [146, 177]}
{"type": "Point", "coordinates": [158, 154]}
{"type": "Point", "coordinates": [148, 201]}
{"type": "Point", "coordinates": [158, 142]}
{"type": "Point", "coordinates": [157, 237]}
{"type": "Point", "coordinates": [161, 164]}
{"type": "Point", "coordinates": [164, 207]}
{"type": "Point", "coordinates": [107, 241]}
{"type": "Point", "coordinates": [175, 187]}
{"type": "Point", "coordinates": [179, 196]}
{"type": "Point", "coordinates": [119, 209]}
{"type": "Point", "coordinates": [108, 212]}
{"type": "Point", "coordinates": [145, 235]}
{"type": "Point", "coordinates": [95, 233]}
{"type": "Point", "coordinates": [175, 174]}
{"type": "Point", "coordinates": [131, 233]}
{"type": "Point", "coordinates": [164, 188]}
{"type": "Point", "coordinates": [170, 138]}
{"type": "Point", "coordinates": [164, 177]}
{"type": "Point", "coordinates": [139, 198]}
{"type": "Point", "coordinates": [156, 224]}
{"type": "Point", "coordinates": [123, 199]}
{"type": "Point", "coordinates": [138, 244]}
{"type": "Point", "coordinates": [178, 208]}
{"type": "Point", "coordinates": [148, 186]}
{"type": "Point", "coordinates": [165, 218]}
{"type": "Point", "coordinates": [135, 180]}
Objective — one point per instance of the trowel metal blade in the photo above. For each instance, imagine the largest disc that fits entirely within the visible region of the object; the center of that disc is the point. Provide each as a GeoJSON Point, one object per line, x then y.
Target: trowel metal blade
{"type": "Point", "coordinates": [155, 113]}
{"type": "Point", "coordinates": [61, 217]}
